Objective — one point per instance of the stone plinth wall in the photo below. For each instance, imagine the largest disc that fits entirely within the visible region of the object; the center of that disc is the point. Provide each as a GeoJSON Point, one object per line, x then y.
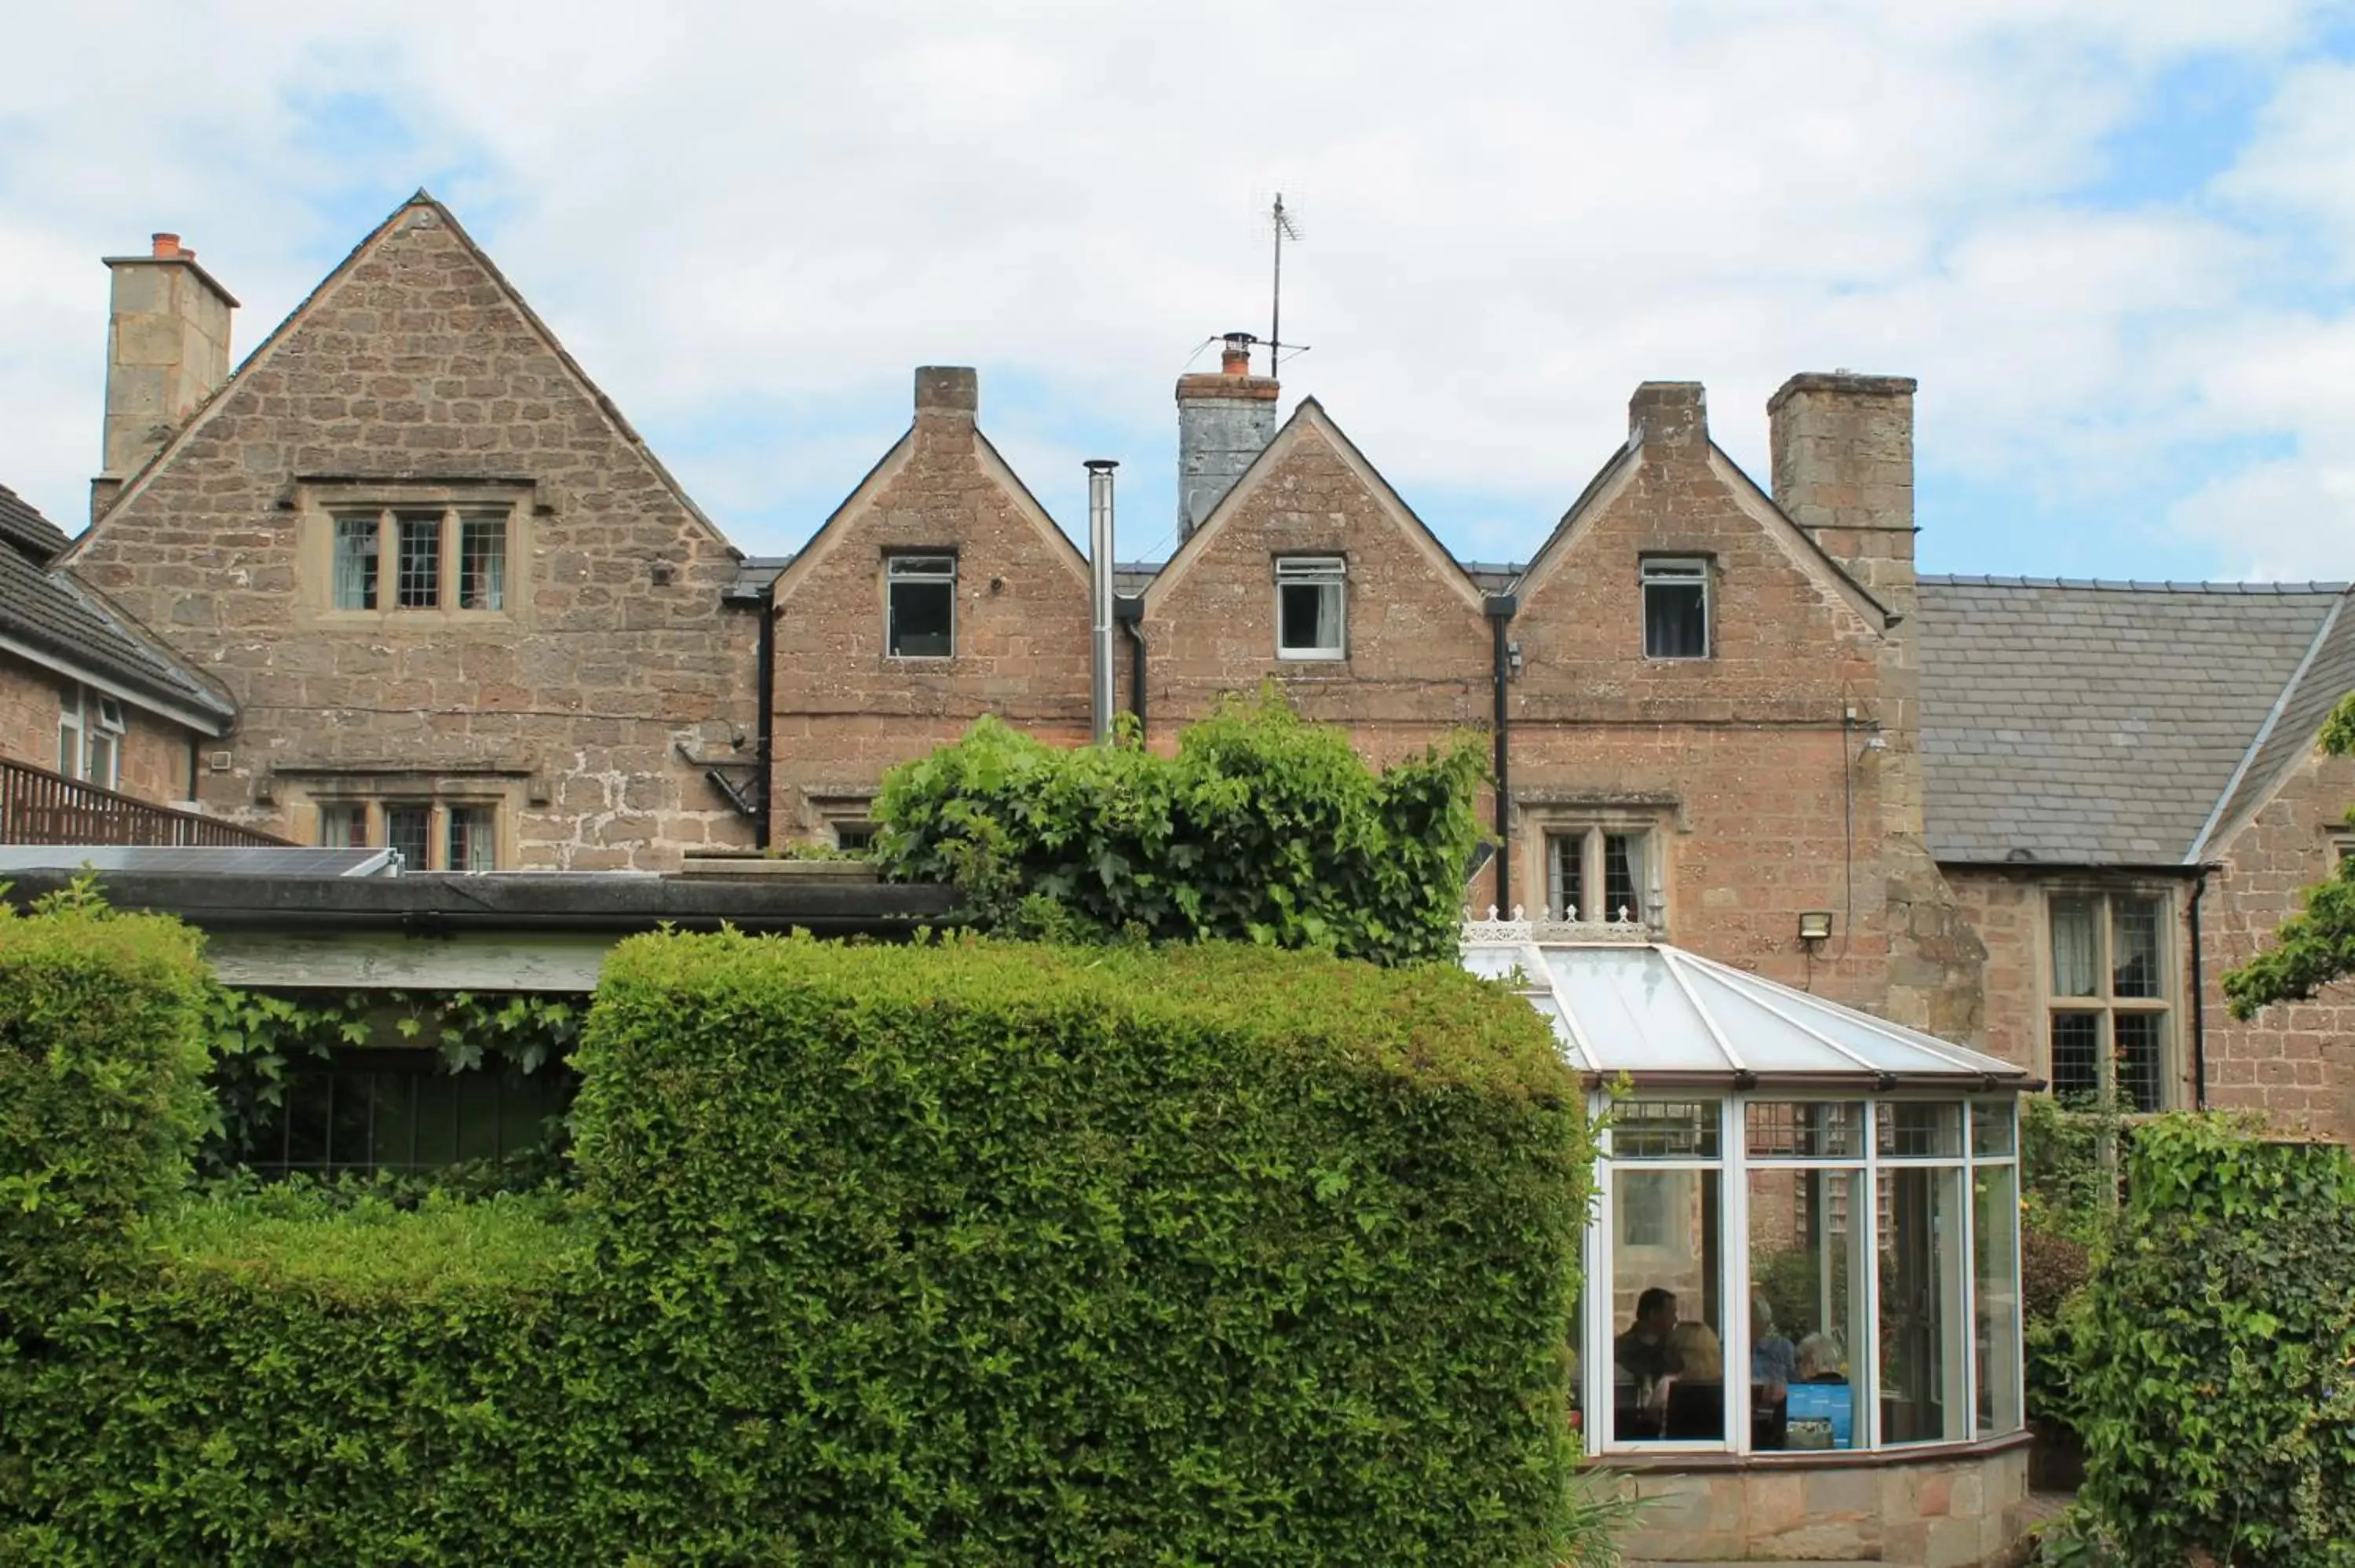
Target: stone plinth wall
{"type": "Point", "coordinates": [1950, 1511]}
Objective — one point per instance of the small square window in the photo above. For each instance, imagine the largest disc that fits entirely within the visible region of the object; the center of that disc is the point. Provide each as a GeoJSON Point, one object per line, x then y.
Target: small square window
{"type": "Point", "coordinates": [420, 560]}
{"type": "Point", "coordinates": [342, 824]}
{"type": "Point", "coordinates": [921, 606]}
{"type": "Point", "coordinates": [481, 563]}
{"type": "Point", "coordinates": [355, 562]}
{"type": "Point", "coordinates": [409, 830]}
{"type": "Point", "coordinates": [1309, 606]}
{"type": "Point", "coordinates": [855, 837]}
{"type": "Point", "coordinates": [474, 839]}
{"type": "Point", "coordinates": [1676, 608]}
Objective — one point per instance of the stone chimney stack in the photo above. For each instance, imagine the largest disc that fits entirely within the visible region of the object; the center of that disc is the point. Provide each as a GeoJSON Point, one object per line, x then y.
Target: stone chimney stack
{"type": "Point", "coordinates": [948, 396]}
{"type": "Point", "coordinates": [1670, 416]}
{"type": "Point", "coordinates": [1842, 448]}
{"type": "Point", "coordinates": [166, 351]}
{"type": "Point", "coordinates": [1224, 421]}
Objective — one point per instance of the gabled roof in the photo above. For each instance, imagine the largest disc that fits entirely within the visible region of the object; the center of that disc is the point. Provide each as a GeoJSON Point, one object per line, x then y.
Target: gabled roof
{"type": "Point", "coordinates": [53, 620]}
{"type": "Point", "coordinates": [399, 218]}
{"type": "Point", "coordinates": [1311, 416]}
{"type": "Point", "coordinates": [2082, 722]}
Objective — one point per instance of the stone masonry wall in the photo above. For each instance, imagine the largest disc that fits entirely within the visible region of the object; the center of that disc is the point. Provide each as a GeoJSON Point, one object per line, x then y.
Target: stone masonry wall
{"type": "Point", "coordinates": [845, 711]}
{"type": "Point", "coordinates": [414, 374]}
{"type": "Point", "coordinates": [2294, 1062]}
{"type": "Point", "coordinates": [154, 752]}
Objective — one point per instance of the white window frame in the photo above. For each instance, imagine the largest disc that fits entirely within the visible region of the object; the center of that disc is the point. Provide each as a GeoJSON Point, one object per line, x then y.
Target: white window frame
{"type": "Point", "coordinates": [2104, 1005]}
{"type": "Point", "coordinates": [1315, 571]}
{"type": "Point", "coordinates": [1678, 571]}
{"type": "Point", "coordinates": [98, 725]}
{"type": "Point", "coordinates": [915, 566]}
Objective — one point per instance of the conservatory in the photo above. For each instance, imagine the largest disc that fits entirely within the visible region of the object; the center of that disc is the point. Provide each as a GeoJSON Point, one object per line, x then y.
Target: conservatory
{"type": "Point", "coordinates": [1825, 1199]}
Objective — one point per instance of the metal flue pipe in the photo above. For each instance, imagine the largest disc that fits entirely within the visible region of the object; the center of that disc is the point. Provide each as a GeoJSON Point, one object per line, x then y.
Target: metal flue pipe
{"type": "Point", "coordinates": [1100, 582]}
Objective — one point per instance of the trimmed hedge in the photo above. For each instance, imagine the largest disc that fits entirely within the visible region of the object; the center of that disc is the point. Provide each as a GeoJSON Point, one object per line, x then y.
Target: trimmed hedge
{"type": "Point", "coordinates": [1002, 1253]}
{"type": "Point", "coordinates": [967, 1253]}
{"type": "Point", "coordinates": [2216, 1377]}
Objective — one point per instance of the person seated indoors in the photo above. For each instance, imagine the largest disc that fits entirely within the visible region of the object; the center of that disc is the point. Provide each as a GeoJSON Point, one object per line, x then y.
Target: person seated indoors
{"type": "Point", "coordinates": [1696, 1391]}
{"type": "Point", "coordinates": [1820, 1360]}
{"type": "Point", "coordinates": [1643, 1351]}
{"type": "Point", "coordinates": [1774, 1359]}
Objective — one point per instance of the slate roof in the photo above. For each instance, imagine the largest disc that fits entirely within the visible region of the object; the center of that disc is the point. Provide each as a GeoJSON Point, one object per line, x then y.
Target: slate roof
{"type": "Point", "coordinates": [2116, 724]}
{"type": "Point", "coordinates": [47, 611]}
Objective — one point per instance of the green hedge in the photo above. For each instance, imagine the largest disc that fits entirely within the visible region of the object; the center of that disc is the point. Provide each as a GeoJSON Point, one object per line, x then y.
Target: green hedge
{"type": "Point", "coordinates": [2216, 1377]}
{"type": "Point", "coordinates": [972, 1254]}
{"type": "Point", "coordinates": [1002, 1253]}
{"type": "Point", "coordinates": [1262, 827]}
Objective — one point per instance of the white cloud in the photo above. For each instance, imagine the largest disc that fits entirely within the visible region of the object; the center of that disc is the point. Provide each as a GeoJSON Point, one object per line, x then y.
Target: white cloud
{"type": "Point", "coordinates": [764, 215]}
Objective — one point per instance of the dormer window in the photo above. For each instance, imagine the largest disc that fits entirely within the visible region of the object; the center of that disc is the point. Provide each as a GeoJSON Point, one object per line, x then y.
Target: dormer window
{"type": "Point", "coordinates": [1676, 607]}
{"type": "Point", "coordinates": [1309, 606]}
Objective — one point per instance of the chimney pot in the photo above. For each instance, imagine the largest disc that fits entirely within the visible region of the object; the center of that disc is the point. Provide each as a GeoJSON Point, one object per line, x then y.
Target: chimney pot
{"type": "Point", "coordinates": [168, 245]}
{"type": "Point", "coordinates": [1235, 358]}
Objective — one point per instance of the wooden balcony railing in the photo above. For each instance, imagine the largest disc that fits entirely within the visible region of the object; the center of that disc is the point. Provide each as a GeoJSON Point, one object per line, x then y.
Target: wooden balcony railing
{"type": "Point", "coordinates": [38, 807]}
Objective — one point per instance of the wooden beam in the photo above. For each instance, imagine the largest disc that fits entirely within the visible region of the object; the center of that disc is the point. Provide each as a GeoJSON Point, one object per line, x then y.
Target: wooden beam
{"type": "Point", "coordinates": [389, 960]}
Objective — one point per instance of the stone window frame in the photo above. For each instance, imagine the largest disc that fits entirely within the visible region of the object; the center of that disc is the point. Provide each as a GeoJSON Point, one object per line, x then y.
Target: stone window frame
{"type": "Point", "coordinates": [840, 811]}
{"type": "Point", "coordinates": [1666, 569]}
{"type": "Point", "coordinates": [378, 796]}
{"type": "Point", "coordinates": [2105, 1006]}
{"type": "Point", "coordinates": [1321, 570]}
{"type": "Point", "coordinates": [1591, 824]}
{"type": "Point", "coordinates": [325, 506]}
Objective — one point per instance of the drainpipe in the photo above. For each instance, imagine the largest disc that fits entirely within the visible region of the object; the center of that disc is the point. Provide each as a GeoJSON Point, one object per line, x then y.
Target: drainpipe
{"type": "Point", "coordinates": [1128, 609]}
{"type": "Point", "coordinates": [2198, 1002]}
{"type": "Point", "coordinates": [1500, 609]}
{"type": "Point", "coordinates": [765, 724]}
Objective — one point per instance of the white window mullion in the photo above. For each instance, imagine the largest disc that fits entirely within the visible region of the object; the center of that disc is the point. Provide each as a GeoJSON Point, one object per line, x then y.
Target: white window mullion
{"type": "Point", "coordinates": [1864, 1369]}
{"type": "Point", "coordinates": [1733, 1271]}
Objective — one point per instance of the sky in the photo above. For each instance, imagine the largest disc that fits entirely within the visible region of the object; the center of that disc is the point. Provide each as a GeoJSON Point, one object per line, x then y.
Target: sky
{"type": "Point", "coordinates": [2114, 239]}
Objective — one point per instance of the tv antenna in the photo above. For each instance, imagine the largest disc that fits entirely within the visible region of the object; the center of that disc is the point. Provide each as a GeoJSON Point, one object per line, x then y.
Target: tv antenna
{"type": "Point", "coordinates": [1285, 227]}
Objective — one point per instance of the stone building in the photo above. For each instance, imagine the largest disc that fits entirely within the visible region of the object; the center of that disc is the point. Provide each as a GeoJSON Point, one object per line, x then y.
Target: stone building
{"type": "Point", "coordinates": [406, 577]}
{"type": "Point", "coordinates": [460, 608]}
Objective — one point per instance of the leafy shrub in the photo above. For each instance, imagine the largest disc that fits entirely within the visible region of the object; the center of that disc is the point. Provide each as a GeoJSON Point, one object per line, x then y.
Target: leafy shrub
{"type": "Point", "coordinates": [2217, 1367]}
{"type": "Point", "coordinates": [1264, 829]}
{"type": "Point", "coordinates": [994, 1253]}
{"type": "Point", "coordinates": [101, 1096]}
{"type": "Point", "coordinates": [973, 1253]}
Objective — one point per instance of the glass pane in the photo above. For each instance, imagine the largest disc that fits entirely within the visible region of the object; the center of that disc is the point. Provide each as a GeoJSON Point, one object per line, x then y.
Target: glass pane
{"type": "Point", "coordinates": [1566, 877]}
{"type": "Point", "coordinates": [2142, 1069]}
{"type": "Point", "coordinates": [1785, 1129]}
{"type": "Point", "coordinates": [409, 828]}
{"type": "Point", "coordinates": [474, 839]}
{"type": "Point", "coordinates": [2076, 1053]}
{"type": "Point", "coordinates": [437, 1119]}
{"type": "Point", "coordinates": [420, 560]}
{"type": "Point", "coordinates": [1921, 1306]}
{"type": "Point", "coordinates": [396, 1117]}
{"type": "Point", "coordinates": [355, 563]}
{"type": "Point", "coordinates": [922, 614]}
{"type": "Point", "coordinates": [1992, 1128]}
{"type": "Point", "coordinates": [478, 1115]}
{"type": "Point", "coordinates": [350, 1121]}
{"type": "Point", "coordinates": [2076, 947]}
{"type": "Point", "coordinates": [308, 1097]}
{"type": "Point", "coordinates": [1676, 621]}
{"type": "Point", "coordinates": [2133, 946]}
{"type": "Point", "coordinates": [1912, 1129]}
{"type": "Point", "coordinates": [1311, 618]}
{"type": "Point", "coordinates": [104, 756]}
{"type": "Point", "coordinates": [1622, 862]}
{"type": "Point", "coordinates": [1632, 1011]}
{"type": "Point", "coordinates": [1665, 1129]}
{"type": "Point", "coordinates": [1807, 1307]}
{"type": "Point", "coordinates": [1996, 1297]}
{"type": "Point", "coordinates": [483, 563]}
{"type": "Point", "coordinates": [343, 826]}
{"type": "Point", "coordinates": [1668, 1362]}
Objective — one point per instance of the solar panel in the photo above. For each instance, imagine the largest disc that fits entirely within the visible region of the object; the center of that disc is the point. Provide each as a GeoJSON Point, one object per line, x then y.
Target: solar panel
{"type": "Point", "coordinates": [243, 860]}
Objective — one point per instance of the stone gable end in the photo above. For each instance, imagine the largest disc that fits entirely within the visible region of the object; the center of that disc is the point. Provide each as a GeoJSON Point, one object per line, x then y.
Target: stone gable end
{"type": "Point", "coordinates": [846, 709]}
{"type": "Point", "coordinates": [1784, 639]}
{"type": "Point", "coordinates": [1420, 653]}
{"type": "Point", "coordinates": [414, 377]}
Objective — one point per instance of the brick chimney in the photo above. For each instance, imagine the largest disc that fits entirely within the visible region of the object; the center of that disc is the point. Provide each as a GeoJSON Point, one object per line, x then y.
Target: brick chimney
{"type": "Point", "coordinates": [166, 351]}
{"type": "Point", "coordinates": [1224, 421]}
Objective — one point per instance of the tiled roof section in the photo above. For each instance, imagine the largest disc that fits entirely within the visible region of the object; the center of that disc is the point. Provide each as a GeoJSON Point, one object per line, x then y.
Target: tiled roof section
{"type": "Point", "coordinates": [2327, 676]}
{"type": "Point", "coordinates": [26, 530]}
{"type": "Point", "coordinates": [47, 611]}
{"type": "Point", "coordinates": [2097, 723]}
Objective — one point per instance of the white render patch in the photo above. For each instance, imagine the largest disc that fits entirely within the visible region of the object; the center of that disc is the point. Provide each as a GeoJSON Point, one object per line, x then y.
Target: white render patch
{"type": "Point", "coordinates": [1622, 1003]}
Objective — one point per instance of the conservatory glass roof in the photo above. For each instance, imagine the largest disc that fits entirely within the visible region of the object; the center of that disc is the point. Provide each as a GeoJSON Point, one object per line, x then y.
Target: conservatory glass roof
{"type": "Point", "coordinates": [1643, 1007]}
